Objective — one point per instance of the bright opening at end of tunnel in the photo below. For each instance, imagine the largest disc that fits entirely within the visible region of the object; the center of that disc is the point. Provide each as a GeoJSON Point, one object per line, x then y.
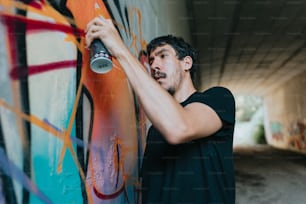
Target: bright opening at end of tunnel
{"type": "Point", "coordinates": [249, 129]}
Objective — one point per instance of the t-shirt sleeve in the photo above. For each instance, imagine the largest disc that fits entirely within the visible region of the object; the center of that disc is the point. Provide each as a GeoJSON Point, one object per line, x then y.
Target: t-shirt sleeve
{"type": "Point", "coordinates": [222, 101]}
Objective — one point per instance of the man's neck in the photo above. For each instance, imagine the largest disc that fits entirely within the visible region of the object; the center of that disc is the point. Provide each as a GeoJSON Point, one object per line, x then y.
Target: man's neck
{"type": "Point", "coordinates": [184, 92]}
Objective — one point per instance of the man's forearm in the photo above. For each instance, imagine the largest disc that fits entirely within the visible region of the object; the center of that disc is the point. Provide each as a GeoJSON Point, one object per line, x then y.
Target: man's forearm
{"type": "Point", "coordinates": [161, 108]}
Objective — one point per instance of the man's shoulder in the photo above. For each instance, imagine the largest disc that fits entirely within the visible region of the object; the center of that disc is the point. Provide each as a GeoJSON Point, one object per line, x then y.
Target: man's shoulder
{"type": "Point", "coordinates": [222, 101]}
{"type": "Point", "coordinates": [219, 94]}
{"type": "Point", "coordinates": [218, 89]}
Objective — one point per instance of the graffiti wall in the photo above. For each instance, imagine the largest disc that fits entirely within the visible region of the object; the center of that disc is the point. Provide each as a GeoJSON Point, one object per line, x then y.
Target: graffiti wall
{"type": "Point", "coordinates": [286, 115]}
{"type": "Point", "coordinates": [67, 134]}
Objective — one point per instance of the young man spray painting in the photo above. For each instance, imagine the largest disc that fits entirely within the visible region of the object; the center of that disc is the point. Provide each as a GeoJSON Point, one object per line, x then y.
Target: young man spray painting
{"type": "Point", "coordinates": [188, 156]}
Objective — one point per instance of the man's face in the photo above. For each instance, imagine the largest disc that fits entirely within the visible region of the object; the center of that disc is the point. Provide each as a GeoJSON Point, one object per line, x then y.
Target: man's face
{"type": "Point", "coordinates": [166, 68]}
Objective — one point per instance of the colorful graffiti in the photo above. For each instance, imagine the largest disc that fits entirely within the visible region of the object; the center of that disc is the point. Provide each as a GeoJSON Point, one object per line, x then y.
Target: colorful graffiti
{"type": "Point", "coordinates": [67, 134]}
{"type": "Point", "coordinates": [276, 130]}
{"type": "Point", "coordinates": [293, 136]}
{"type": "Point", "coordinates": [297, 133]}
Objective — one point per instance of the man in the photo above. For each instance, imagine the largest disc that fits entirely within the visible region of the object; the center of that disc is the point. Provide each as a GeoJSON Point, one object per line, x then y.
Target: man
{"type": "Point", "coordinates": [188, 157]}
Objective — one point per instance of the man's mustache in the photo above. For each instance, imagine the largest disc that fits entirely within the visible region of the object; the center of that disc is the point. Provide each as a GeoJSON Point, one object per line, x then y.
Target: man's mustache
{"type": "Point", "coordinates": [158, 74]}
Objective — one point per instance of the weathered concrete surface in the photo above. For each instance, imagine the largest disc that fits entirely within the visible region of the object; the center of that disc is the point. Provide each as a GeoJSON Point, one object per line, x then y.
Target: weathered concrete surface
{"type": "Point", "coordinates": [269, 176]}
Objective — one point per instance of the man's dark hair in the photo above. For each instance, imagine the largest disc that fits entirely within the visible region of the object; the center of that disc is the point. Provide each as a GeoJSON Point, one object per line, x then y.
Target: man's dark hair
{"type": "Point", "coordinates": [181, 47]}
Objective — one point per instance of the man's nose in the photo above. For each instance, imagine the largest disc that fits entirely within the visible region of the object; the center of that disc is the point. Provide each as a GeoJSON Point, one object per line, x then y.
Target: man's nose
{"type": "Point", "coordinates": [155, 65]}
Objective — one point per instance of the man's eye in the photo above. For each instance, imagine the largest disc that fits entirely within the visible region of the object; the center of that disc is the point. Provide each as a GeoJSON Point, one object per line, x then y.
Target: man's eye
{"type": "Point", "coordinates": [162, 56]}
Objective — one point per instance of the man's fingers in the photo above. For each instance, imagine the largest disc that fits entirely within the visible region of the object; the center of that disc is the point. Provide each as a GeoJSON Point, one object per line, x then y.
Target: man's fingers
{"type": "Point", "coordinates": [96, 28]}
{"type": "Point", "coordinates": [94, 21]}
{"type": "Point", "coordinates": [88, 26]}
{"type": "Point", "coordinates": [89, 38]}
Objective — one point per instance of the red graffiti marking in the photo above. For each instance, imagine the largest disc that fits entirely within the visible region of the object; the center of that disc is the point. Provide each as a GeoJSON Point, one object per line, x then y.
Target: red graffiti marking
{"type": "Point", "coordinates": [19, 72]}
{"type": "Point", "coordinates": [278, 136]}
{"type": "Point", "coordinates": [31, 24]}
{"type": "Point", "coordinates": [41, 25]}
{"type": "Point", "coordinates": [37, 4]}
{"type": "Point", "coordinates": [108, 196]}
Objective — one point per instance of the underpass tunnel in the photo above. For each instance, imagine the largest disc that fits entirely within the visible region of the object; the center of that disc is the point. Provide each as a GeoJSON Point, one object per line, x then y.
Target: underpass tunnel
{"type": "Point", "coordinates": [256, 49]}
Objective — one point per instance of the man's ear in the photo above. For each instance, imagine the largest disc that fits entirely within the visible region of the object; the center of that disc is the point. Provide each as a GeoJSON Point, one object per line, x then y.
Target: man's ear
{"type": "Point", "coordinates": [187, 63]}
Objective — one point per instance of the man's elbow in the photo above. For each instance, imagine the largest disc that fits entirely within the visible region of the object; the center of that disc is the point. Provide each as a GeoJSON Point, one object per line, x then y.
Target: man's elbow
{"type": "Point", "coordinates": [178, 135]}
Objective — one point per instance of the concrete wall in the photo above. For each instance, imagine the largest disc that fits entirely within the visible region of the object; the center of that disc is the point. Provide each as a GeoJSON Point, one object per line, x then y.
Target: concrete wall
{"type": "Point", "coordinates": [68, 135]}
{"type": "Point", "coordinates": [285, 109]}
{"type": "Point", "coordinates": [165, 17]}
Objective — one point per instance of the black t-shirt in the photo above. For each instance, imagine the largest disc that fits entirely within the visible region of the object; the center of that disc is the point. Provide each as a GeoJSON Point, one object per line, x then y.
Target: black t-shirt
{"type": "Point", "coordinates": [200, 171]}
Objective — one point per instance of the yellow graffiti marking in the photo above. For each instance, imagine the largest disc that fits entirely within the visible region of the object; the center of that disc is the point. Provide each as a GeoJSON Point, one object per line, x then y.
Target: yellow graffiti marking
{"type": "Point", "coordinates": [33, 119]}
{"type": "Point", "coordinates": [59, 134]}
{"type": "Point", "coordinates": [9, 7]}
{"type": "Point", "coordinates": [142, 42]}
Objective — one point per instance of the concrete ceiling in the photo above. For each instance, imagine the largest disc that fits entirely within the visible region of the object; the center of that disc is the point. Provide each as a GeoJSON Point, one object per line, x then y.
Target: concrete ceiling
{"type": "Point", "coordinates": [249, 46]}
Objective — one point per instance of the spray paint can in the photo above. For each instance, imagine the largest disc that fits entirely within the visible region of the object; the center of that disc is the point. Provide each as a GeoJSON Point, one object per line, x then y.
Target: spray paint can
{"type": "Point", "coordinates": [100, 59]}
